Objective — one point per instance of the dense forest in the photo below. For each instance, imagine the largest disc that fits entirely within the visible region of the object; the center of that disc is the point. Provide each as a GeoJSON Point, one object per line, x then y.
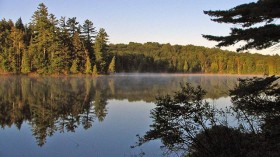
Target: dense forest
{"type": "Point", "coordinates": [50, 46]}
{"type": "Point", "coordinates": [155, 57]}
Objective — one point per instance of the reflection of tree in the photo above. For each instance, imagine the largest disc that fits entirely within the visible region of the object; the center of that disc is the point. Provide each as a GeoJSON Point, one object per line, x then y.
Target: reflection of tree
{"type": "Point", "coordinates": [100, 102]}
{"type": "Point", "coordinates": [49, 105]}
{"type": "Point", "coordinates": [62, 104]}
{"type": "Point", "coordinates": [147, 87]}
{"type": "Point", "coordinates": [178, 119]}
{"type": "Point", "coordinates": [187, 125]}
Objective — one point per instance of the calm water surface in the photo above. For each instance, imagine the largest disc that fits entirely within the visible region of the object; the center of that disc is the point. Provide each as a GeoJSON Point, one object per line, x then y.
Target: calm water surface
{"type": "Point", "coordinates": [84, 116]}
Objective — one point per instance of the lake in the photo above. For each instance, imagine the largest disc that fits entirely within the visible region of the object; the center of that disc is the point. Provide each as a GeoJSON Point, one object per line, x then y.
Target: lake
{"type": "Point", "coordinates": [85, 116]}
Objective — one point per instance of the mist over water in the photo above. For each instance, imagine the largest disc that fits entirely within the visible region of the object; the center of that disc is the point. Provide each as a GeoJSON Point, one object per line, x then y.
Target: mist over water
{"type": "Point", "coordinates": [86, 116]}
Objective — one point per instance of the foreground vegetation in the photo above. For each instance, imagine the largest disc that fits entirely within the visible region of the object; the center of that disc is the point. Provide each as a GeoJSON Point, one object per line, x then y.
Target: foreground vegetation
{"type": "Point", "coordinates": [188, 125]}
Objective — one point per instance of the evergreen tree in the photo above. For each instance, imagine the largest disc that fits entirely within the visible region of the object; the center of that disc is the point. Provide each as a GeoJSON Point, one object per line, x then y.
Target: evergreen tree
{"type": "Point", "coordinates": [74, 67]}
{"type": "Point", "coordinates": [65, 44]}
{"type": "Point", "coordinates": [43, 37]}
{"type": "Point", "coordinates": [112, 65]}
{"type": "Point", "coordinates": [79, 51]}
{"type": "Point", "coordinates": [258, 20]}
{"type": "Point", "coordinates": [17, 48]}
{"type": "Point", "coordinates": [88, 66]}
{"type": "Point", "coordinates": [94, 70]}
{"type": "Point", "coordinates": [25, 63]}
{"type": "Point", "coordinates": [72, 25]}
{"type": "Point", "coordinates": [44, 47]}
{"type": "Point", "coordinates": [56, 58]}
{"type": "Point", "coordinates": [101, 50]}
{"type": "Point", "coordinates": [19, 25]}
{"type": "Point", "coordinates": [27, 35]}
{"type": "Point", "coordinates": [88, 35]}
{"type": "Point", "coordinates": [5, 45]}
{"type": "Point", "coordinates": [88, 31]}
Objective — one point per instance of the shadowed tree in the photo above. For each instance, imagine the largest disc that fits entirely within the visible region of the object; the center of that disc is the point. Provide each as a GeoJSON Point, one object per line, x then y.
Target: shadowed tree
{"type": "Point", "coordinates": [259, 98]}
{"type": "Point", "coordinates": [178, 119]}
{"type": "Point", "coordinates": [190, 126]}
{"type": "Point", "coordinates": [259, 28]}
{"type": "Point", "coordinates": [19, 25]}
{"type": "Point", "coordinates": [72, 25]}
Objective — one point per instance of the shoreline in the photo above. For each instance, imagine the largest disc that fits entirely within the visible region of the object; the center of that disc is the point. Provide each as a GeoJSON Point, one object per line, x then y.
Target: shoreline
{"type": "Point", "coordinates": [133, 74]}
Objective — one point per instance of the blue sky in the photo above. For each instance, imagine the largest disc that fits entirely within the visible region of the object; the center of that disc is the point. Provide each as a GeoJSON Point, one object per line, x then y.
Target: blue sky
{"type": "Point", "coordinates": [164, 21]}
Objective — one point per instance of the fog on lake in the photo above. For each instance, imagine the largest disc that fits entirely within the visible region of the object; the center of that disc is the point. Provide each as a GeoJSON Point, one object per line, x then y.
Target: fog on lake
{"type": "Point", "coordinates": [90, 116]}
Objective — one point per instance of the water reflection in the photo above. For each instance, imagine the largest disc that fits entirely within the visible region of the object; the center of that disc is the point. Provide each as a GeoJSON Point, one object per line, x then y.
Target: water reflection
{"type": "Point", "coordinates": [49, 105]}
{"type": "Point", "coordinates": [63, 104]}
{"type": "Point", "coordinates": [188, 125]}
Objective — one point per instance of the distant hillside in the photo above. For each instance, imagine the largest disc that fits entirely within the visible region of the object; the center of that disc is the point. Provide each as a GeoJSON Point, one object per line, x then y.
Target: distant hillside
{"type": "Point", "coordinates": [155, 57]}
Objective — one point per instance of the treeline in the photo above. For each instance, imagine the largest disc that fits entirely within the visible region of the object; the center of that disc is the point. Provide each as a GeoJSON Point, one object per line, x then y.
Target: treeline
{"type": "Point", "coordinates": [155, 57]}
{"type": "Point", "coordinates": [50, 46]}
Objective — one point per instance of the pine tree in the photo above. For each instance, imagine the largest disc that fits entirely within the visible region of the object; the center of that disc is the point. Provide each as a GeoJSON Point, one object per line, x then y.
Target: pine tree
{"type": "Point", "coordinates": [42, 39]}
{"type": "Point", "coordinates": [66, 45]}
{"type": "Point", "coordinates": [72, 25]}
{"type": "Point", "coordinates": [88, 35]}
{"type": "Point", "coordinates": [17, 49]}
{"type": "Point", "coordinates": [79, 51]}
{"type": "Point", "coordinates": [56, 58]}
{"type": "Point", "coordinates": [88, 31]}
{"type": "Point", "coordinates": [94, 71]}
{"type": "Point", "coordinates": [259, 28]}
{"type": "Point", "coordinates": [88, 66]}
{"type": "Point", "coordinates": [112, 65]}
{"type": "Point", "coordinates": [25, 63]}
{"type": "Point", "coordinates": [6, 52]}
{"type": "Point", "coordinates": [19, 25]}
{"type": "Point", "coordinates": [45, 46]}
{"type": "Point", "coordinates": [74, 67]}
{"type": "Point", "coordinates": [101, 50]}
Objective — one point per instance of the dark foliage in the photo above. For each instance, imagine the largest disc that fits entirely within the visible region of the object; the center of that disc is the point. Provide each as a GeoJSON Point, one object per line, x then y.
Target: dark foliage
{"type": "Point", "coordinates": [259, 99]}
{"type": "Point", "coordinates": [178, 119]}
{"type": "Point", "coordinates": [248, 15]}
{"type": "Point", "coordinates": [188, 125]}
